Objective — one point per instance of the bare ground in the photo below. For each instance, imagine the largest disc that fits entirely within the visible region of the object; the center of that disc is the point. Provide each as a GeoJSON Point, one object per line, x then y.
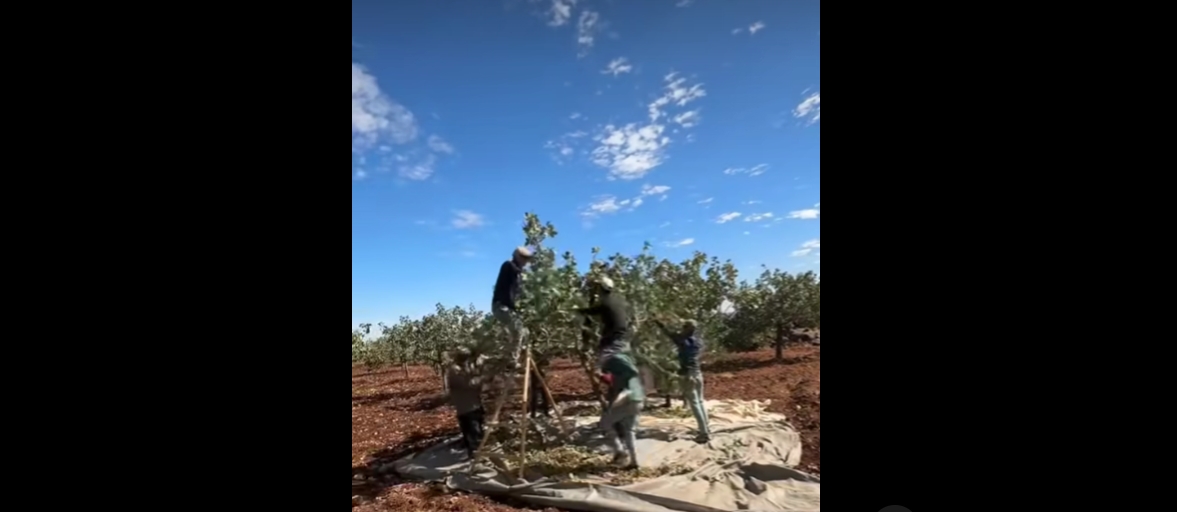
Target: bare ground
{"type": "Point", "coordinates": [393, 415]}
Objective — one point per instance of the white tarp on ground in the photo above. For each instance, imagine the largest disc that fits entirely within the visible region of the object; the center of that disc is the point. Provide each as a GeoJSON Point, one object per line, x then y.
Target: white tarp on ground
{"type": "Point", "coordinates": [746, 466]}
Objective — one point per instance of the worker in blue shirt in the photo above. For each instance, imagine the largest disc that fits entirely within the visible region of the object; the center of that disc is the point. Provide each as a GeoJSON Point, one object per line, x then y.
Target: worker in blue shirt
{"type": "Point", "coordinates": [690, 375]}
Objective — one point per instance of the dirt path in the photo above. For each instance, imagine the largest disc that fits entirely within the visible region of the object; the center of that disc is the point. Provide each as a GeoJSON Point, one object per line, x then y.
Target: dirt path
{"type": "Point", "coordinates": [393, 415]}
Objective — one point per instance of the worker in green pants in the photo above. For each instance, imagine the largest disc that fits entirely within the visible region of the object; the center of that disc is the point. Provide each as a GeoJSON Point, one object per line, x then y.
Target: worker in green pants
{"type": "Point", "coordinates": [624, 398]}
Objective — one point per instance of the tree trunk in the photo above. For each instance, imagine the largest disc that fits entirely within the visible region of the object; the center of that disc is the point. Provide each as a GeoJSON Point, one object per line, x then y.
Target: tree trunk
{"type": "Point", "coordinates": [780, 341]}
{"type": "Point", "coordinates": [405, 367]}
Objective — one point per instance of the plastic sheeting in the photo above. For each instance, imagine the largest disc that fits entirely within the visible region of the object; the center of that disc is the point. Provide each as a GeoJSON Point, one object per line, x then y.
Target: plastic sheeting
{"type": "Point", "coordinates": [747, 465]}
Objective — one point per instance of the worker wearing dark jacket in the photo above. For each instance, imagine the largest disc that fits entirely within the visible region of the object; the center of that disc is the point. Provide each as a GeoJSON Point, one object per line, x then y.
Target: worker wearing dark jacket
{"type": "Point", "coordinates": [612, 309]}
{"type": "Point", "coordinates": [465, 386]}
{"type": "Point", "coordinates": [506, 292]}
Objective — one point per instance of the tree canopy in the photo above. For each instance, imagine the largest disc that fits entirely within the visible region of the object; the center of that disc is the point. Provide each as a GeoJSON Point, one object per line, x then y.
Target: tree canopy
{"type": "Point", "coordinates": [731, 314]}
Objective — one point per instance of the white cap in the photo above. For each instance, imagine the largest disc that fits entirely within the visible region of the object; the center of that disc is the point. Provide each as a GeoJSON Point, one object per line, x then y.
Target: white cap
{"type": "Point", "coordinates": [605, 282]}
{"type": "Point", "coordinates": [522, 252]}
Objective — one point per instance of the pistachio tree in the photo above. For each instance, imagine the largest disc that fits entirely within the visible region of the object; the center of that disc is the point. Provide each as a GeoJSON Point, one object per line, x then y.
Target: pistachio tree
{"type": "Point", "coordinates": [358, 345]}
{"type": "Point", "coordinates": [550, 293]}
{"type": "Point", "coordinates": [442, 331]}
{"type": "Point", "coordinates": [669, 292]}
{"type": "Point", "coordinates": [773, 306]}
{"type": "Point", "coordinates": [730, 314]}
{"type": "Point", "coordinates": [744, 327]}
{"type": "Point", "coordinates": [398, 344]}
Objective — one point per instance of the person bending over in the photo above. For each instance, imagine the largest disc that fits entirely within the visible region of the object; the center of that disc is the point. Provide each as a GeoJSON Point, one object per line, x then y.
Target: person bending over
{"type": "Point", "coordinates": [624, 398]}
{"type": "Point", "coordinates": [465, 385]}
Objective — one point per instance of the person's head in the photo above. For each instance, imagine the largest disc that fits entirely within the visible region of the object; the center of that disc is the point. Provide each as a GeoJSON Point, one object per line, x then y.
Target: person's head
{"type": "Point", "coordinates": [521, 256]}
{"type": "Point", "coordinates": [688, 327]}
{"type": "Point", "coordinates": [603, 284]}
{"type": "Point", "coordinates": [460, 355]}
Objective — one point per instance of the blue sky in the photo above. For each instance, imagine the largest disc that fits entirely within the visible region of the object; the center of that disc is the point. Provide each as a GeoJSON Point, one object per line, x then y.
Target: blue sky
{"type": "Point", "coordinates": [694, 125]}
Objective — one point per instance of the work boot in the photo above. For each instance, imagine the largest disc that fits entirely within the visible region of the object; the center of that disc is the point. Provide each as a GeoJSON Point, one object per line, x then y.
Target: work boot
{"type": "Point", "coordinates": [624, 461]}
{"type": "Point", "coordinates": [628, 464]}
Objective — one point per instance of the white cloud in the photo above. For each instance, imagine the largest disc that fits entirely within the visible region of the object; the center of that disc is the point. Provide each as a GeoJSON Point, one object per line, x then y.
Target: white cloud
{"type": "Point", "coordinates": [807, 248]}
{"type": "Point", "coordinates": [378, 123]}
{"type": "Point", "coordinates": [809, 213]}
{"type": "Point", "coordinates": [465, 219]}
{"type": "Point", "coordinates": [809, 108]}
{"type": "Point", "coordinates": [747, 232]}
{"type": "Point", "coordinates": [630, 151]}
{"type": "Point", "coordinates": [560, 12]}
{"type": "Point", "coordinates": [420, 170]}
{"type": "Point", "coordinates": [440, 145]}
{"type": "Point", "coordinates": [708, 200]}
{"type": "Point", "coordinates": [664, 224]}
{"type": "Point", "coordinates": [609, 204]}
{"type": "Point", "coordinates": [684, 3]}
{"type": "Point", "coordinates": [757, 217]}
{"type": "Point", "coordinates": [564, 147]}
{"type": "Point", "coordinates": [676, 93]}
{"type": "Point", "coordinates": [653, 190]}
{"type": "Point", "coordinates": [753, 202]}
{"type": "Point", "coordinates": [375, 116]}
{"type": "Point", "coordinates": [617, 66]}
{"type": "Point", "coordinates": [560, 151]}
{"type": "Point", "coordinates": [688, 119]}
{"type": "Point", "coordinates": [586, 29]}
{"type": "Point", "coordinates": [806, 214]}
{"type": "Point", "coordinates": [680, 243]}
{"type": "Point", "coordinates": [727, 217]}
{"type": "Point", "coordinates": [606, 205]}
{"type": "Point", "coordinates": [574, 116]}
{"type": "Point", "coordinates": [752, 29]}
{"type": "Point", "coordinates": [756, 170]}
{"type": "Point", "coordinates": [360, 174]}
{"type": "Point", "coordinates": [633, 150]}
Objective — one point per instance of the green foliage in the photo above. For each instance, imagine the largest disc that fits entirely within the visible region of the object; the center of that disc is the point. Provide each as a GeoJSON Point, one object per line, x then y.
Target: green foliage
{"type": "Point", "coordinates": [731, 315]}
{"type": "Point", "coordinates": [358, 347]}
{"type": "Point", "coordinates": [776, 303]}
